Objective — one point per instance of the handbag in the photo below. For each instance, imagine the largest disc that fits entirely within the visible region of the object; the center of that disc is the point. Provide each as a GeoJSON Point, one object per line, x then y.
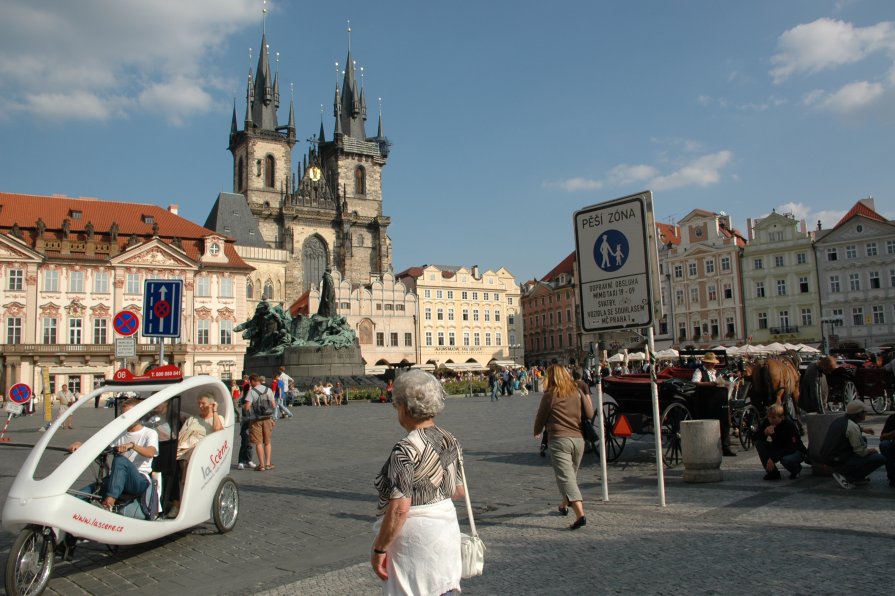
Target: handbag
{"type": "Point", "coordinates": [587, 429]}
{"type": "Point", "coordinates": [472, 549]}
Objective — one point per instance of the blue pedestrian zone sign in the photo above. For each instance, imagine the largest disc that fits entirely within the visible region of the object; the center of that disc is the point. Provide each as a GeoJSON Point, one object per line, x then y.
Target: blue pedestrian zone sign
{"type": "Point", "coordinates": [162, 300]}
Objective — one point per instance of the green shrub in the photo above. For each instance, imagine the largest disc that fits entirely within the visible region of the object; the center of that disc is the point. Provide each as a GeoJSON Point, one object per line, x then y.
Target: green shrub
{"type": "Point", "coordinates": [464, 387]}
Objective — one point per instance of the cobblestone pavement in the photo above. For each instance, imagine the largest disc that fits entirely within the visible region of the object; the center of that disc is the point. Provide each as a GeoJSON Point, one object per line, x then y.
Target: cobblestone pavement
{"type": "Point", "coordinates": [305, 527]}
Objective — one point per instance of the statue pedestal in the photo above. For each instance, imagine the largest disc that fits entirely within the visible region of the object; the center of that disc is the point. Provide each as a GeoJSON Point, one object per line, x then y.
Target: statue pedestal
{"type": "Point", "coordinates": [305, 362]}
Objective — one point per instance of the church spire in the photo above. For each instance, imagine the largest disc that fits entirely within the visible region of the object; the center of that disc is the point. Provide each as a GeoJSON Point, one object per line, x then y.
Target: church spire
{"type": "Point", "coordinates": [352, 112]}
{"type": "Point", "coordinates": [322, 136]}
{"type": "Point", "coordinates": [265, 97]}
{"type": "Point", "coordinates": [290, 128]}
{"type": "Point", "coordinates": [233, 127]}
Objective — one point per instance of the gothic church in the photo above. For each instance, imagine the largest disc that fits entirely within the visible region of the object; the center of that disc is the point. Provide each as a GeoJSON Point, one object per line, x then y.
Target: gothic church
{"type": "Point", "coordinates": [327, 213]}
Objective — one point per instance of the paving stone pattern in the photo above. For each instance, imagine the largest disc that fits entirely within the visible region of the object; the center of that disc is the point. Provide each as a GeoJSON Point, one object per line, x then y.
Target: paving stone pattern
{"type": "Point", "coordinates": [305, 527]}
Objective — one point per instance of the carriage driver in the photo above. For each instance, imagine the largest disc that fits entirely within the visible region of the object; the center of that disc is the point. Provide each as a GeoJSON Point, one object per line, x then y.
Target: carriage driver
{"type": "Point", "coordinates": [707, 381]}
{"type": "Point", "coordinates": [135, 449]}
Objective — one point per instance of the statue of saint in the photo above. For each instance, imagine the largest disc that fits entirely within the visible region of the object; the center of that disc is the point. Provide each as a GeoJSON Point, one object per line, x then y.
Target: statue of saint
{"type": "Point", "coordinates": [327, 306]}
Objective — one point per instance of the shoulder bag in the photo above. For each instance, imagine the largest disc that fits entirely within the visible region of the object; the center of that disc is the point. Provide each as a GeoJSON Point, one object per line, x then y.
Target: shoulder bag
{"type": "Point", "coordinates": [587, 429]}
{"type": "Point", "coordinates": [472, 549]}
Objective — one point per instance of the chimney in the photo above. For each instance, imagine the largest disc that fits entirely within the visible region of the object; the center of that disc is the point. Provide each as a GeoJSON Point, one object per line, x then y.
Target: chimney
{"type": "Point", "coordinates": [475, 271]}
{"type": "Point", "coordinates": [803, 226]}
{"type": "Point", "coordinates": [749, 229]}
{"type": "Point", "coordinates": [174, 208]}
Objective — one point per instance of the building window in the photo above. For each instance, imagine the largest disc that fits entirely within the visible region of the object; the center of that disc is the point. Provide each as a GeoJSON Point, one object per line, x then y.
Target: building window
{"type": "Point", "coordinates": [100, 331]}
{"type": "Point", "coordinates": [731, 328]}
{"type": "Point", "coordinates": [270, 171]}
{"type": "Point", "coordinates": [16, 280]}
{"type": "Point", "coordinates": [360, 181]}
{"type": "Point", "coordinates": [694, 295]}
{"type": "Point", "coordinates": [511, 319]}
{"type": "Point", "coordinates": [203, 286]}
{"type": "Point", "coordinates": [427, 313]}
{"type": "Point", "coordinates": [439, 314]}
{"type": "Point", "coordinates": [408, 340]}
{"type": "Point", "coordinates": [380, 339]}
{"type": "Point", "coordinates": [728, 292]}
{"type": "Point", "coordinates": [892, 278]}
{"type": "Point", "coordinates": [497, 339]}
{"type": "Point", "coordinates": [496, 297]}
{"type": "Point", "coordinates": [781, 287]}
{"type": "Point", "coordinates": [268, 290]}
{"type": "Point", "coordinates": [487, 338]}
{"type": "Point", "coordinates": [834, 284]}
{"type": "Point", "coordinates": [757, 264]}
{"type": "Point", "coordinates": [857, 315]}
{"type": "Point", "coordinates": [226, 332]}
{"type": "Point", "coordinates": [51, 280]}
{"type": "Point", "coordinates": [133, 283]}
{"type": "Point", "coordinates": [678, 271]}
{"type": "Point", "coordinates": [837, 316]}
{"type": "Point", "coordinates": [874, 280]}
{"type": "Point", "coordinates": [775, 236]}
{"type": "Point", "coordinates": [879, 315]}
{"type": "Point", "coordinates": [488, 314]}
{"type": "Point", "coordinates": [450, 294]}
{"type": "Point", "coordinates": [890, 247]}
{"type": "Point", "coordinates": [101, 282]}
{"type": "Point", "coordinates": [691, 269]}
{"type": "Point", "coordinates": [558, 340]}
{"type": "Point", "coordinates": [710, 265]}
{"type": "Point", "coordinates": [75, 331]}
{"type": "Point", "coordinates": [475, 295]}
{"type": "Point", "coordinates": [803, 285]}
{"type": "Point", "coordinates": [851, 251]}
{"type": "Point", "coordinates": [854, 281]}
{"type": "Point", "coordinates": [466, 338]}
{"type": "Point", "coordinates": [439, 294]}
{"type": "Point", "coordinates": [450, 314]}
{"type": "Point", "coordinates": [485, 294]}
{"type": "Point", "coordinates": [465, 314]}
{"type": "Point", "coordinates": [497, 316]}
{"type": "Point", "coordinates": [871, 249]}
{"type": "Point", "coordinates": [725, 263]}
{"type": "Point", "coordinates": [464, 295]}
{"type": "Point", "coordinates": [429, 339]}
{"type": "Point", "coordinates": [778, 261]}
{"type": "Point", "coordinates": [832, 254]}
{"type": "Point", "coordinates": [476, 339]}
{"type": "Point", "coordinates": [714, 328]}
{"type": "Point", "coordinates": [250, 290]}
{"type": "Point", "coordinates": [475, 314]}
{"type": "Point", "coordinates": [76, 281]}
{"type": "Point", "coordinates": [801, 258]}
{"type": "Point", "coordinates": [427, 293]}
{"type": "Point", "coordinates": [806, 317]}
{"type": "Point", "coordinates": [393, 339]}
{"type": "Point", "coordinates": [713, 293]}
{"type": "Point", "coordinates": [14, 330]}
{"type": "Point", "coordinates": [386, 306]}
{"type": "Point", "coordinates": [784, 320]}
{"type": "Point", "coordinates": [679, 297]}
{"type": "Point", "coordinates": [49, 330]}
{"type": "Point", "coordinates": [226, 287]}
{"type": "Point", "coordinates": [202, 332]}
{"type": "Point", "coordinates": [762, 320]}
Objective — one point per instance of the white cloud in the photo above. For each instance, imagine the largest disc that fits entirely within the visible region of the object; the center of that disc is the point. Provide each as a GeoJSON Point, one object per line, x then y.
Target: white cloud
{"type": "Point", "coordinates": [578, 183]}
{"type": "Point", "coordinates": [703, 171]}
{"type": "Point", "coordinates": [827, 43]}
{"type": "Point", "coordinates": [101, 59]}
{"type": "Point", "coordinates": [849, 98]}
{"type": "Point", "coordinates": [800, 211]}
{"type": "Point", "coordinates": [627, 174]}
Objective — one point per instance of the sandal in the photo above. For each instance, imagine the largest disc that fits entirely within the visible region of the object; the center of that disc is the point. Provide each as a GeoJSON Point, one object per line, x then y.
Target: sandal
{"type": "Point", "coordinates": [260, 468]}
{"type": "Point", "coordinates": [270, 467]}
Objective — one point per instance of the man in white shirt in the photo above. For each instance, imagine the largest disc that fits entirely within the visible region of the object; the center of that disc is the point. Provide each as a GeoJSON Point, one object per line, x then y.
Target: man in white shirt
{"type": "Point", "coordinates": [711, 390]}
{"type": "Point", "coordinates": [135, 449]}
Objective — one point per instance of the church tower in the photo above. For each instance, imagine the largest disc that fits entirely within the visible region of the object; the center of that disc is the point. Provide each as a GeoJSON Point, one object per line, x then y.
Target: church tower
{"type": "Point", "coordinates": [327, 213]}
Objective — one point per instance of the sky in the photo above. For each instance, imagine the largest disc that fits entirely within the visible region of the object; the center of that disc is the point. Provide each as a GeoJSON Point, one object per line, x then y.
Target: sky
{"type": "Point", "coordinates": [505, 117]}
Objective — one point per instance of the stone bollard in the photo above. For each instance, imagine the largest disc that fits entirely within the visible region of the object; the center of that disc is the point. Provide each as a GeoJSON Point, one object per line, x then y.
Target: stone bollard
{"type": "Point", "coordinates": [701, 450]}
{"type": "Point", "coordinates": [817, 425]}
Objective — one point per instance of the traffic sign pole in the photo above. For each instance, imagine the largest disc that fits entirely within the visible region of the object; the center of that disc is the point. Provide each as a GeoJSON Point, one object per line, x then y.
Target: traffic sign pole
{"type": "Point", "coordinates": [3, 437]}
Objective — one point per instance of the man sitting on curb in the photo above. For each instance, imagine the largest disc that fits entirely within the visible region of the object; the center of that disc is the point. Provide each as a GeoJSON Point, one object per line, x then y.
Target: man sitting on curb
{"type": "Point", "coordinates": [845, 448]}
{"type": "Point", "coordinates": [777, 440]}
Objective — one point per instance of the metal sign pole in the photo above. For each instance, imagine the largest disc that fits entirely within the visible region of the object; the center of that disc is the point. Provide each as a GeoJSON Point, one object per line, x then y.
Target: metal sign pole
{"type": "Point", "coordinates": [3, 434]}
{"type": "Point", "coordinates": [604, 473]}
{"type": "Point", "coordinates": [657, 423]}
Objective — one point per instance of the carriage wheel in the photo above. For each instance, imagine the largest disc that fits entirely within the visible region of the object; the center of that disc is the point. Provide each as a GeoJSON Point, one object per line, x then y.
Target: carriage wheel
{"type": "Point", "coordinates": [30, 561]}
{"type": "Point", "coordinates": [672, 417]}
{"type": "Point", "coordinates": [225, 508]}
{"type": "Point", "coordinates": [614, 445]}
{"type": "Point", "coordinates": [748, 424]}
{"type": "Point", "coordinates": [880, 403]}
{"type": "Point", "coordinates": [849, 393]}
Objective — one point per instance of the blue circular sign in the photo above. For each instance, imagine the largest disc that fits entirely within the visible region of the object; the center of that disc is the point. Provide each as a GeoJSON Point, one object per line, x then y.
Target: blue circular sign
{"type": "Point", "coordinates": [611, 251]}
{"type": "Point", "coordinates": [126, 323]}
{"type": "Point", "coordinates": [20, 393]}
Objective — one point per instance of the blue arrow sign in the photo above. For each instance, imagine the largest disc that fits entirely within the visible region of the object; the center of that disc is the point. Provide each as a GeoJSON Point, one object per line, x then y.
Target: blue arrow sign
{"type": "Point", "coordinates": [162, 307]}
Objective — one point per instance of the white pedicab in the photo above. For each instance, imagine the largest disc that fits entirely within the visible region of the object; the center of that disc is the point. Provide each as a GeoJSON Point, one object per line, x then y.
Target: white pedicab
{"type": "Point", "coordinates": [50, 509]}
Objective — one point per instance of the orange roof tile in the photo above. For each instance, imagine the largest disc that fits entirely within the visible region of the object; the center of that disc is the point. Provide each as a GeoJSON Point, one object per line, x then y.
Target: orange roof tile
{"type": "Point", "coordinates": [860, 209]}
{"type": "Point", "coordinates": [667, 234]}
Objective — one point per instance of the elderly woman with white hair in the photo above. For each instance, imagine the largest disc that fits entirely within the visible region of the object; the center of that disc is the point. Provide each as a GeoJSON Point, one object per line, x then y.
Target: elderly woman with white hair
{"type": "Point", "coordinates": [417, 544]}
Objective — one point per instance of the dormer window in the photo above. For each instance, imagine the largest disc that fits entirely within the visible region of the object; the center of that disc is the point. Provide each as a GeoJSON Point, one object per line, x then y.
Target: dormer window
{"type": "Point", "coordinates": [75, 214]}
{"type": "Point", "coordinates": [214, 249]}
{"type": "Point", "coordinates": [148, 219]}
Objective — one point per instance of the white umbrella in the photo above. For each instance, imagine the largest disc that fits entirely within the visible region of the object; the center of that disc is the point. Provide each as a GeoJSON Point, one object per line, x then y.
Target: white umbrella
{"type": "Point", "coordinates": [617, 358]}
{"type": "Point", "coordinates": [637, 356]}
{"type": "Point", "coordinates": [669, 353]}
{"type": "Point", "coordinates": [775, 347]}
{"type": "Point", "coordinates": [792, 347]}
{"type": "Point", "coordinates": [807, 349]}
{"type": "Point", "coordinates": [719, 349]}
{"type": "Point", "coordinates": [751, 350]}
{"type": "Point", "coordinates": [733, 351]}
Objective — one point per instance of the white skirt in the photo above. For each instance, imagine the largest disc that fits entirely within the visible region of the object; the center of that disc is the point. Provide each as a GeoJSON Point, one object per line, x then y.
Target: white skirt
{"type": "Point", "coordinates": [424, 559]}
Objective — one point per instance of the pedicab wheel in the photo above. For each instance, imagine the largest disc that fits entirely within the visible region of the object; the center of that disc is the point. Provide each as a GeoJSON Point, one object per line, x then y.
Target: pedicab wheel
{"type": "Point", "coordinates": [614, 445]}
{"type": "Point", "coordinates": [225, 508]}
{"type": "Point", "coordinates": [879, 403]}
{"type": "Point", "coordinates": [748, 424]}
{"type": "Point", "coordinates": [30, 561]}
{"type": "Point", "coordinates": [672, 417]}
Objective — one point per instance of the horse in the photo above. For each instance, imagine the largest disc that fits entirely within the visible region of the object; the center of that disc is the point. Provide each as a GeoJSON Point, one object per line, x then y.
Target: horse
{"type": "Point", "coordinates": [775, 378]}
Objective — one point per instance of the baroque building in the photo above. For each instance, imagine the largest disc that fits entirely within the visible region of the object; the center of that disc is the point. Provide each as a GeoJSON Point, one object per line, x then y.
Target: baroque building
{"type": "Point", "coordinates": [550, 316]}
{"type": "Point", "coordinates": [856, 273]}
{"type": "Point", "coordinates": [69, 265]}
{"type": "Point", "coordinates": [327, 212]}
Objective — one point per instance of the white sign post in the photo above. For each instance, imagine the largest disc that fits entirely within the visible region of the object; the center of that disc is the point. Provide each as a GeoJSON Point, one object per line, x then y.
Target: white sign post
{"type": "Point", "coordinates": [125, 347]}
{"type": "Point", "coordinates": [617, 280]}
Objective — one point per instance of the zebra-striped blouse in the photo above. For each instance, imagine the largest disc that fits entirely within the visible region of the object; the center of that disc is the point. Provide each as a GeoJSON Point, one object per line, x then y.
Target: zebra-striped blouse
{"type": "Point", "coordinates": [423, 466]}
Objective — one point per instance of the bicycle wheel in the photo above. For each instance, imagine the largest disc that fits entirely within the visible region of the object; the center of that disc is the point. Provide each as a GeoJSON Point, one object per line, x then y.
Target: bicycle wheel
{"type": "Point", "coordinates": [30, 562]}
{"type": "Point", "coordinates": [748, 424]}
{"type": "Point", "coordinates": [225, 508]}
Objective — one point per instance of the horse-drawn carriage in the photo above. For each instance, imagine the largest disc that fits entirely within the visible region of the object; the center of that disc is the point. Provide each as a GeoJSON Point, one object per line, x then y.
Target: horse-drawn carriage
{"type": "Point", "coordinates": [854, 381]}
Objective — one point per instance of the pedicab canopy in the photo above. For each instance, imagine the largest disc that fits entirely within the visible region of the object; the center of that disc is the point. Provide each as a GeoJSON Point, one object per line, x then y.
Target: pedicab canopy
{"type": "Point", "coordinates": [163, 374]}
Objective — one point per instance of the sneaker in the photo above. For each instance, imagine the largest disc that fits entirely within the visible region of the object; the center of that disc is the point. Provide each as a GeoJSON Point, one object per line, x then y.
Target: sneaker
{"type": "Point", "coordinates": [843, 481]}
{"type": "Point", "coordinates": [241, 467]}
{"type": "Point", "coordinates": [252, 464]}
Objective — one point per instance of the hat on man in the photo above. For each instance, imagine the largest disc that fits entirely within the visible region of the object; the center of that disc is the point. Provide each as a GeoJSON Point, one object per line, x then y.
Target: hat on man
{"type": "Point", "coordinates": [854, 407]}
{"type": "Point", "coordinates": [710, 358]}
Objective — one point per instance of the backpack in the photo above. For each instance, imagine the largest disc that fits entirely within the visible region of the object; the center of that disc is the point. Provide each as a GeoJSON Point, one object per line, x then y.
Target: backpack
{"type": "Point", "coordinates": [836, 449]}
{"type": "Point", "coordinates": [262, 407]}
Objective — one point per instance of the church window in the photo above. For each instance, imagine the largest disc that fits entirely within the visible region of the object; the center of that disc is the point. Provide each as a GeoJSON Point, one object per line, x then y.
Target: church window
{"type": "Point", "coordinates": [268, 290]}
{"type": "Point", "coordinates": [240, 175]}
{"type": "Point", "coordinates": [314, 259]}
{"type": "Point", "coordinates": [359, 239]}
{"type": "Point", "coordinates": [269, 171]}
{"type": "Point", "coordinates": [360, 181]}
{"type": "Point", "coordinates": [250, 290]}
